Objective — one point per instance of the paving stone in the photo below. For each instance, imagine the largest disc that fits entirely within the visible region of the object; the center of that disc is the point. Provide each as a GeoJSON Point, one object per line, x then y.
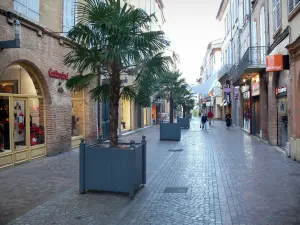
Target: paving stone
{"type": "Point", "coordinates": [231, 178]}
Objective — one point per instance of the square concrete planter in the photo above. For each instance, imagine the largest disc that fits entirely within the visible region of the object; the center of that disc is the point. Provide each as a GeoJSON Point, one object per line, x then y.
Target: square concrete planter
{"type": "Point", "coordinates": [170, 131]}
{"type": "Point", "coordinates": [184, 122]}
{"type": "Point", "coordinates": [112, 169]}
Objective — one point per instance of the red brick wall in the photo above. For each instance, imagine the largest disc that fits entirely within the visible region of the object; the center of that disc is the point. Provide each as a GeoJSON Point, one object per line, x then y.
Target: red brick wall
{"type": "Point", "coordinates": [38, 54]}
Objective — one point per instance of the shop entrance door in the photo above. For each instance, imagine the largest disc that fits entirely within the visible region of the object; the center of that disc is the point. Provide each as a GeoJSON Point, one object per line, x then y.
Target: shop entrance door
{"type": "Point", "coordinates": [20, 129]}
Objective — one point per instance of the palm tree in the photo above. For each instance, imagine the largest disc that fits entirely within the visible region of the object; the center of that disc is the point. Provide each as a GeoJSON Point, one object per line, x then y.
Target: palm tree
{"type": "Point", "coordinates": [113, 40]}
{"type": "Point", "coordinates": [171, 84]}
{"type": "Point", "coordinates": [184, 99]}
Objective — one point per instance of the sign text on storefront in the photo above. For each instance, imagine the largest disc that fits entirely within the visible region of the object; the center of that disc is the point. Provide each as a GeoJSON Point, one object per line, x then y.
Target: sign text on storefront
{"type": "Point", "coordinates": [58, 75]}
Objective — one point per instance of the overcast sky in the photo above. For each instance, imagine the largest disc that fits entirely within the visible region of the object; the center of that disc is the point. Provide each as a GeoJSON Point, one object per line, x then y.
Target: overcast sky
{"type": "Point", "coordinates": [191, 25]}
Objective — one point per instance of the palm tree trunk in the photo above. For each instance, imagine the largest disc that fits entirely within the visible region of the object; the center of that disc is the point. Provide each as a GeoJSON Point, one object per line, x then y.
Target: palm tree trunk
{"type": "Point", "coordinates": [183, 113]}
{"type": "Point", "coordinates": [114, 109]}
{"type": "Point", "coordinates": [171, 108]}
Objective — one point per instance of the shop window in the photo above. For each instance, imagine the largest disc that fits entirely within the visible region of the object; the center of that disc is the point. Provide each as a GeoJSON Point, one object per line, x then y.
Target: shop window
{"type": "Point", "coordinates": [4, 125]}
{"type": "Point", "coordinates": [29, 8]}
{"type": "Point", "coordinates": [125, 117]}
{"type": "Point", "coordinates": [37, 121]}
{"type": "Point", "coordinates": [77, 128]}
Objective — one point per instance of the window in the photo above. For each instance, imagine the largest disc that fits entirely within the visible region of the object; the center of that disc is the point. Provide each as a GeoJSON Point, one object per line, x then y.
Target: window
{"type": "Point", "coordinates": [69, 15]}
{"type": "Point", "coordinates": [292, 5]}
{"type": "Point", "coordinates": [29, 8]}
{"type": "Point", "coordinates": [276, 14]}
{"type": "Point", "coordinates": [262, 27]}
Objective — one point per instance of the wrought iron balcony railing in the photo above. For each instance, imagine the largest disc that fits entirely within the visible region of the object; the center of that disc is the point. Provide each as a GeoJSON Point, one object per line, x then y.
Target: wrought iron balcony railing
{"type": "Point", "coordinates": [223, 71]}
{"type": "Point", "coordinates": [253, 61]}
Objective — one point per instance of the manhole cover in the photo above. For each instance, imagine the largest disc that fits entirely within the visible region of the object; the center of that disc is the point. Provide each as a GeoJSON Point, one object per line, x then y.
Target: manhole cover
{"type": "Point", "coordinates": [294, 174]}
{"type": "Point", "coordinates": [176, 190]}
{"type": "Point", "coordinates": [176, 150]}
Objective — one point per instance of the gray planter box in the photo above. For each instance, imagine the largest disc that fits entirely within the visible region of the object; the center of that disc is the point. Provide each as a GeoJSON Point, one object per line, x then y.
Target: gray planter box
{"type": "Point", "coordinates": [184, 122]}
{"type": "Point", "coordinates": [170, 131]}
{"type": "Point", "coordinates": [112, 169]}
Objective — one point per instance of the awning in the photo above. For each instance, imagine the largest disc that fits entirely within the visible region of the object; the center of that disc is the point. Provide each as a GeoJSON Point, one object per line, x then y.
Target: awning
{"type": "Point", "coordinates": [206, 86]}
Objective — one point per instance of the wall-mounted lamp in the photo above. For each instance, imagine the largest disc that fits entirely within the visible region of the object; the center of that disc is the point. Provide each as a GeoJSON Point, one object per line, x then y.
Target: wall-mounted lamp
{"type": "Point", "coordinates": [13, 43]}
{"type": "Point", "coordinates": [244, 80]}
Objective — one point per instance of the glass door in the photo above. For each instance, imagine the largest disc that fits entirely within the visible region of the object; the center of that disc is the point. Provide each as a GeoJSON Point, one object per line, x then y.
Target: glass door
{"type": "Point", "coordinates": [20, 125]}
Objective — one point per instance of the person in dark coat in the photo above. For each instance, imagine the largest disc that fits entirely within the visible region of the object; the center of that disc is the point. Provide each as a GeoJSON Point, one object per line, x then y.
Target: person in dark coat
{"type": "Point", "coordinates": [203, 121]}
{"type": "Point", "coordinates": [228, 120]}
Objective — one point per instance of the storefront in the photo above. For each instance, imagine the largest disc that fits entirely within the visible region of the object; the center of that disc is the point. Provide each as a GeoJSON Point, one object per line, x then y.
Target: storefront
{"type": "Point", "coordinates": [78, 122]}
{"type": "Point", "coordinates": [154, 115]}
{"type": "Point", "coordinates": [255, 92]}
{"type": "Point", "coordinates": [22, 117]}
{"type": "Point", "coordinates": [282, 110]}
{"type": "Point", "coordinates": [236, 104]}
{"type": "Point", "coordinates": [125, 114]}
{"type": "Point", "coordinates": [246, 106]}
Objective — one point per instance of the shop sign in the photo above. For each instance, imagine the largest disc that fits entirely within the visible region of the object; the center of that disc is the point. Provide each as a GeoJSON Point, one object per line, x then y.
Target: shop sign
{"type": "Point", "coordinates": [255, 88]}
{"type": "Point", "coordinates": [274, 63]}
{"type": "Point", "coordinates": [58, 75]}
{"type": "Point", "coordinates": [281, 91]}
{"type": "Point", "coordinates": [227, 90]}
{"type": "Point", "coordinates": [245, 88]}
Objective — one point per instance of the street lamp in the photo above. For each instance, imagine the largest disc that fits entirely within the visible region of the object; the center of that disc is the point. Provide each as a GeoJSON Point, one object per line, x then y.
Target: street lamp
{"type": "Point", "coordinates": [13, 43]}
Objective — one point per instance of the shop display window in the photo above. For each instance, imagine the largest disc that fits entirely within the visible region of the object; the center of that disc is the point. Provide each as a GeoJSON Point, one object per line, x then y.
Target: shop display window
{"type": "Point", "coordinates": [246, 110]}
{"type": "Point", "coordinates": [37, 123]}
{"type": "Point", "coordinates": [125, 118]}
{"type": "Point", "coordinates": [77, 128]}
{"type": "Point", "coordinates": [4, 125]}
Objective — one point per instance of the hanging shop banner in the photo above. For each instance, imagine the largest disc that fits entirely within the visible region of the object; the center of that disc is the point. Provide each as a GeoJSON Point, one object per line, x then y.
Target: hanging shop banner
{"type": "Point", "coordinates": [236, 92]}
{"type": "Point", "coordinates": [255, 88]}
{"type": "Point", "coordinates": [227, 90]}
{"type": "Point", "coordinates": [274, 63]}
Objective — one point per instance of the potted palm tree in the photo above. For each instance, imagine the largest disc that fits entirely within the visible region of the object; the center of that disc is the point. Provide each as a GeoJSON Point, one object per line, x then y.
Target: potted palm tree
{"type": "Point", "coordinates": [185, 101]}
{"type": "Point", "coordinates": [171, 84]}
{"type": "Point", "coordinates": [112, 40]}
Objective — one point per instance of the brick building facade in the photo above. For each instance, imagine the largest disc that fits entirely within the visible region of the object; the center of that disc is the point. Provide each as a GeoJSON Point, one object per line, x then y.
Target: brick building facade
{"type": "Point", "coordinates": [42, 48]}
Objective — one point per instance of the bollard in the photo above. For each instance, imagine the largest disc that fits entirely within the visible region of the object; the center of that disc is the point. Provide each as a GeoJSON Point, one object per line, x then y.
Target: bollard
{"type": "Point", "coordinates": [82, 167]}
{"type": "Point", "coordinates": [144, 158]}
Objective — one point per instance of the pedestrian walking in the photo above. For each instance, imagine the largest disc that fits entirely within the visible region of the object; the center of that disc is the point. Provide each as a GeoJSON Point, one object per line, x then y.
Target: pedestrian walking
{"type": "Point", "coordinates": [228, 120]}
{"type": "Point", "coordinates": [203, 121]}
{"type": "Point", "coordinates": [210, 116]}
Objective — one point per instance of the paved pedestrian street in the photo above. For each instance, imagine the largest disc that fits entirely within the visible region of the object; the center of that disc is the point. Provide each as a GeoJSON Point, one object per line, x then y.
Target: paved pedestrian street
{"type": "Point", "coordinates": [217, 176]}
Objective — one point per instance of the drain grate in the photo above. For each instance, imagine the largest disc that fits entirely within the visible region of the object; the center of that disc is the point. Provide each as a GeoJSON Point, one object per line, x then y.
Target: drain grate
{"type": "Point", "coordinates": [176, 150]}
{"type": "Point", "coordinates": [175, 190]}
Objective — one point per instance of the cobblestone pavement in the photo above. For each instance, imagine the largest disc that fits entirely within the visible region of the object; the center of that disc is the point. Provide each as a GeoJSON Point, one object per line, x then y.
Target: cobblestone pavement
{"type": "Point", "coordinates": [221, 177]}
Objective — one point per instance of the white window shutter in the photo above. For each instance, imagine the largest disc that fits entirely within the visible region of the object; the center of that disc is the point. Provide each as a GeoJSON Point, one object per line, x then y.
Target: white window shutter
{"type": "Point", "coordinates": [278, 16]}
{"type": "Point", "coordinates": [69, 15]}
{"type": "Point", "coordinates": [20, 6]}
{"type": "Point", "coordinates": [33, 9]}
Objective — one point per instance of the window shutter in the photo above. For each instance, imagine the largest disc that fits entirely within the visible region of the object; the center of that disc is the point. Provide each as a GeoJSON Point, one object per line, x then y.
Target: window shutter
{"type": "Point", "coordinates": [20, 6]}
{"type": "Point", "coordinates": [33, 9]}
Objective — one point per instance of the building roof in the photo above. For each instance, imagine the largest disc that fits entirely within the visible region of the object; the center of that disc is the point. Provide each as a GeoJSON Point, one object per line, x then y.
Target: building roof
{"type": "Point", "coordinates": [221, 10]}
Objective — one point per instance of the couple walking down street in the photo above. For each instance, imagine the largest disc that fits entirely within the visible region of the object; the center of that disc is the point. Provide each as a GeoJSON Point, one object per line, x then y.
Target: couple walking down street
{"type": "Point", "coordinates": [206, 118]}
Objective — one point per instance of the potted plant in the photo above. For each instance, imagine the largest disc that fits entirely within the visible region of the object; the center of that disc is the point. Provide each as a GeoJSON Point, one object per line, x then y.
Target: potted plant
{"type": "Point", "coordinates": [184, 100]}
{"type": "Point", "coordinates": [171, 84]}
{"type": "Point", "coordinates": [110, 41]}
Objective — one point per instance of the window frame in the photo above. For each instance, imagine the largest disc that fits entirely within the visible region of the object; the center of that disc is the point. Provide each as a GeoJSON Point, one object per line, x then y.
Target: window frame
{"type": "Point", "coordinates": [26, 5]}
{"type": "Point", "coordinates": [294, 6]}
{"type": "Point", "coordinates": [65, 27]}
{"type": "Point", "coordinates": [276, 12]}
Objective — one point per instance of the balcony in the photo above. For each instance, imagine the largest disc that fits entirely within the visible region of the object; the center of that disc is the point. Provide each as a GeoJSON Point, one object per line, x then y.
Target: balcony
{"type": "Point", "coordinates": [253, 61]}
{"type": "Point", "coordinates": [225, 70]}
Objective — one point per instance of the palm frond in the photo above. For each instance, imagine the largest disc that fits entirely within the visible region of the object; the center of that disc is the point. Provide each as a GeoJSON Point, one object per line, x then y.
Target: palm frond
{"type": "Point", "coordinates": [128, 93]}
{"type": "Point", "coordinates": [102, 92]}
{"type": "Point", "coordinates": [80, 82]}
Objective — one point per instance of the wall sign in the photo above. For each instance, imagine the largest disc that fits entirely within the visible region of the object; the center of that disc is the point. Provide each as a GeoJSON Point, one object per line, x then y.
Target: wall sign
{"type": "Point", "coordinates": [281, 91]}
{"type": "Point", "coordinates": [274, 63]}
{"type": "Point", "coordinates": [58, 75]}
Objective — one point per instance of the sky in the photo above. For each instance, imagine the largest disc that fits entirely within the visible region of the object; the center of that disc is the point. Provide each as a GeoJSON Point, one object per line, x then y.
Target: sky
{"type": "Point", "coordinates": [191, 25]}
